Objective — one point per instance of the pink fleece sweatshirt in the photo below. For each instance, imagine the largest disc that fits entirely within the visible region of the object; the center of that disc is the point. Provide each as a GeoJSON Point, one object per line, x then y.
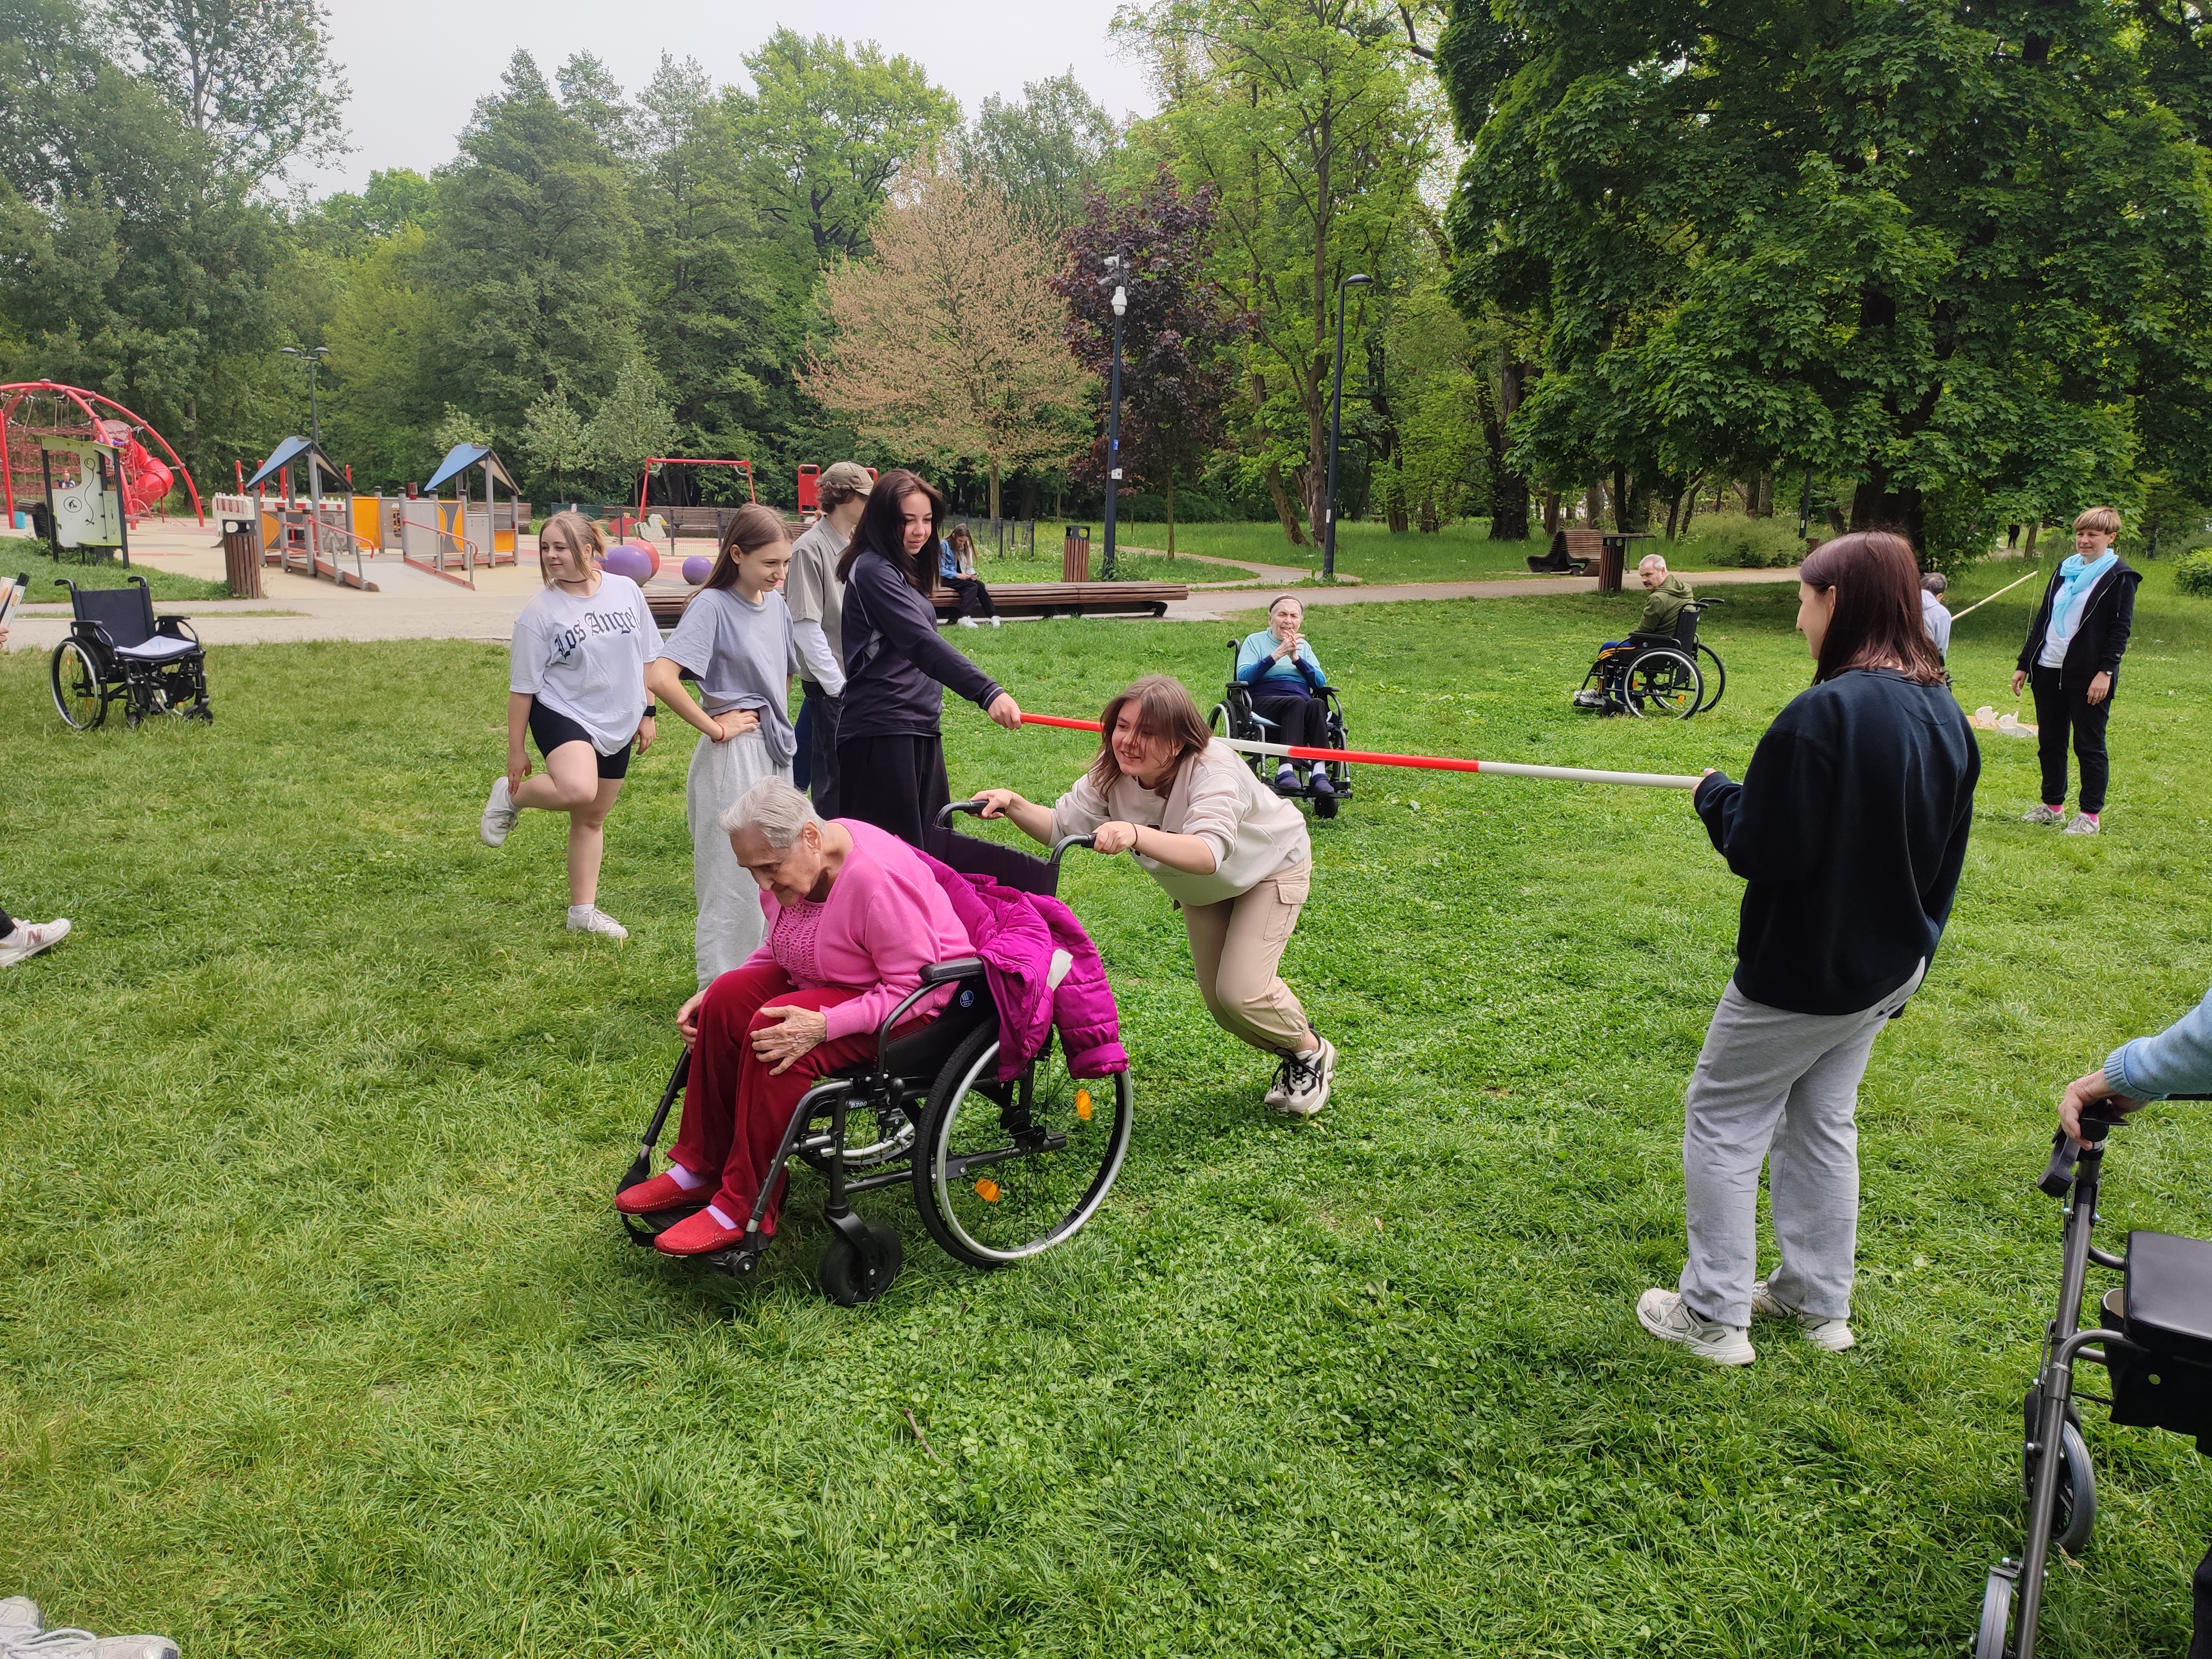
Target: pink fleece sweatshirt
{"type": "Point", "coordinates": [886, 920]}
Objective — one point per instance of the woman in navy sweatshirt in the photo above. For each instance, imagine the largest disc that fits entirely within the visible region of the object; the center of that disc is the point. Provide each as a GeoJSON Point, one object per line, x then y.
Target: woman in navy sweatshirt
{"type": "Point", "coordinates": [1849, 827]}
{"type": "Point", "coordinates": [891, 756]}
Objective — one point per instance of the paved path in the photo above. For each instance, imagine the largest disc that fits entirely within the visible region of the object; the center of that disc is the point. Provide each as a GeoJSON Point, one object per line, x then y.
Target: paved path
{"type": "Point", "coordinates": [413, 604]}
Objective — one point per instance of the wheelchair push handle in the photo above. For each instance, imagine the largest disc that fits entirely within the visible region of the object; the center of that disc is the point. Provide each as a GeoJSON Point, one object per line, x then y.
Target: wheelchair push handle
{"type": "Point", "coordinates": [975, 809]}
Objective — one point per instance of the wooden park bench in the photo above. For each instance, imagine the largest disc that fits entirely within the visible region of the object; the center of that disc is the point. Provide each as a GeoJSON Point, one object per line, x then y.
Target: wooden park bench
{"type": "Point", "coordinates": [1571, 549]}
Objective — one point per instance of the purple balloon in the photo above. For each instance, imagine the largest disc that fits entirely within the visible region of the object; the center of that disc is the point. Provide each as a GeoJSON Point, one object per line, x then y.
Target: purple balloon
{"type": "Point", "coordinates": [697, 568]}
{"type": "Point", "coordinates": [624, 560]}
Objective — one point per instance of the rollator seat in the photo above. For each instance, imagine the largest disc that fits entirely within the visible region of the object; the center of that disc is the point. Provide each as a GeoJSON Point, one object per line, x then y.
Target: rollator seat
{"type": "Point", "coordinates": [2169, 1295]}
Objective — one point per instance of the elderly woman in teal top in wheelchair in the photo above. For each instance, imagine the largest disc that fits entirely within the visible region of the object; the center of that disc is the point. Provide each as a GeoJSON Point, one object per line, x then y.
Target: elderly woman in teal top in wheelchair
{"type": "Point", "coordinates": [1285, 680]}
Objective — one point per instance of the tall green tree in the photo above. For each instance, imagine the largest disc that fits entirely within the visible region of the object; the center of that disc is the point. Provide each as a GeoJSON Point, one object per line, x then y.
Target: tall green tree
{"type": "Point", "coordinates": [1042, 152]}
{"type": "Point", "coordinates": [1945, 251]}
{"type": "Point", "coordinates": [530, 250]}
{"type": "Point", "coordinates": [255, 77]}
{"type": "Point", "coordinates": [1303, 119]}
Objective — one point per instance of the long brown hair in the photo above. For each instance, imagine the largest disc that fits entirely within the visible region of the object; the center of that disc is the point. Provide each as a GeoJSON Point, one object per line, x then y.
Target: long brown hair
{"type": "Point", "coordinates": [1876, 622]}
{"type": "Point", "coordinates": [882, 529]}
{"type": "Point", "coordinates": [750, 528]}
{"type": "Point", "coordinates": [1164, 709]}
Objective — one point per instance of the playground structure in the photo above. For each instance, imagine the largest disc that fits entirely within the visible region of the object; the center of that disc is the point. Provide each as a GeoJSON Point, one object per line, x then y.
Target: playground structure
{"type": "Point", "coordinates": [35, 413]}
{"type": "Point", "coordinates": [460, 532]}
{"type": "Point", "coordinates": [309, 536]}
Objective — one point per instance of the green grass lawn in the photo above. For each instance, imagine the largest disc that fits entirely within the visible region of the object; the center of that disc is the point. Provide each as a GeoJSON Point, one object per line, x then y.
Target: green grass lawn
{"type": "Point", "coordinates": [1459, 552]}
{"type": "Point", "coordinates": [21, 555]}
{"type": "Point", "coordinates": [318, 1336]}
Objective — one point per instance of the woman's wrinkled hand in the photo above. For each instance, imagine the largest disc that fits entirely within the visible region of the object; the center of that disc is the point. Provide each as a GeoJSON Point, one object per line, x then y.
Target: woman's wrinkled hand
{"type": "Point", "coordinates": [1113, 837]}
{"type": "Point", "coordinates": [800, 1031]}
{"type": "Point", "coordinates": [687, 1021]}
{"type": "Point", "coordinates": [2085, 1091]}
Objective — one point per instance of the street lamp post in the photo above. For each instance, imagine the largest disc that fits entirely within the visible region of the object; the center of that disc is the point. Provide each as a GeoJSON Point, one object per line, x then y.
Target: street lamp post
{"type": "Point", "coordinates": [1336, 427]}
{"type": "Point", "coordinates": [1113, 275]}
{"type": "Point", "coordinates": [313, 357]}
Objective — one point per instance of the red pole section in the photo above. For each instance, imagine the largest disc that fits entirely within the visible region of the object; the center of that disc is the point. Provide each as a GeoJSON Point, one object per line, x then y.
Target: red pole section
{"type": "Point", "coordinates": [1423, 762]}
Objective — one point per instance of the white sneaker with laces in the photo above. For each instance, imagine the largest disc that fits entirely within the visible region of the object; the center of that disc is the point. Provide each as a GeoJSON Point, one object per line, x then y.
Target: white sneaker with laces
{"type": "Point", "coordinates": [994, 621]}
{"type": "Point", "coordinates": [1832, 1335]}
{"type": "Point", "coordinates": [590, 919]}
{"type": "Point", "coordinates": [83, 1644]}
{"type": "Point", "coordinates": [1302, 1086]}
{"type": "Point", "coordinates": [499, 814]}
{"type": "Point", "coordinates": [2041, 814]}
{"type": "Point", "coordinates": [1667, 1316]}
{"type": "Point", "coordinates": [967, 622]}
{"type": "Point", "coordinates": [30, 938]}
{"type": "Point", "coordinates": [2081, 824]}
{"type": "Point", "coordinates": [19, 1618]}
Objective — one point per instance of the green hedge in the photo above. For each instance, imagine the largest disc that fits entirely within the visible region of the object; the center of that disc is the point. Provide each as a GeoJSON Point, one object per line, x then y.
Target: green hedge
{"type": "Point", "coordinates": [2192, 572]}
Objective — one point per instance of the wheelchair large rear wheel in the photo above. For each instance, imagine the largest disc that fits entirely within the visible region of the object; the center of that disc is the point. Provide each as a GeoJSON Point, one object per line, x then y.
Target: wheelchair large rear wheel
{"type": "Point", "coordinates": [78, 697]}
{"type": "Point", "coordinates": [1005, 1170]}
{"type": "Point", "coordinates": [1663, 684]}
{"type": "Point", "coordinates": [1715, 675]}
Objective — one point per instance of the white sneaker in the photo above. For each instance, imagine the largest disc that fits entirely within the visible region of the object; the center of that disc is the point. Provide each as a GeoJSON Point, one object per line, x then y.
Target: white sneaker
{"type": "Point", "coordinates": [1664, 1314]}
{"type": "Point", "coordinates": [2041, 814]}
{"type": "Point", "coordinates": [1832, 1335]}
{"type": "Point", "coordinates": [19, 1618]}
{"type": "Point", "coordinates": [30, 938]}
{"type": "Point", "coordinates": [499, 814]}
{"type": "Point", "coordinates": [1302, 1086]}
{"type": "Point", "coordinates": [2082, 824]}
{"type": "Point", "coordinates": [994, 621]}
{"type": "Point", "coordinates": [967, 622]}
{"type": "Point", "coordinates": [590, 919]}
{"type": "Point", "coordinates": [83, 1644]}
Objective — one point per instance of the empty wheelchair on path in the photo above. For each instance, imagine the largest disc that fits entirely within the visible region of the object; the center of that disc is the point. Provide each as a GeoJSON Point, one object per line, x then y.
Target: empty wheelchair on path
{"type": "Point", "coordinates": [120, 652]}
{"type": "Point", "coordinates": [1658, 675]}
{"type": "Point", "coordinates": [2155, 1341]}
{"type": "Point", "coordinates": [999, 1171]}
{"type": "Point", "coordinates": [1236, 717]}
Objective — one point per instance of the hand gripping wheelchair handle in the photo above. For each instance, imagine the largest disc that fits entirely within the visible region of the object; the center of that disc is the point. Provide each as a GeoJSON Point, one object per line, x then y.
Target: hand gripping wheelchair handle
{"type": "Point", "coordinates": [975, 809]}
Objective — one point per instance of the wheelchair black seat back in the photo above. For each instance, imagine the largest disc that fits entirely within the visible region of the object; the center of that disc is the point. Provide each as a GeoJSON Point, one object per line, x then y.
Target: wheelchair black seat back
{"type": "Point", "coordinates": [999, 1171]}
{"type": "Point", "coordinates": [1237, 716]}
{"type": "Point", "coordinates": [1662, 676]}
{"type": "Point", "coordinates": [118, 651]}
{"type": "Point", "coordinates": [2155, 1345]}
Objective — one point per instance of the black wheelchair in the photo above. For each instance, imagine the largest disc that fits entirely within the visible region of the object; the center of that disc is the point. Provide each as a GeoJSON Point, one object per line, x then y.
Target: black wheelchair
{"type": "Point", "coordinates": [118, 651]}
{"type": "Point", "coordinates": [2155, 1345]}
{"type": "Point", "coordinates": [1665, 676]}
{"type": "Point", "coordinates": [1236, 717]}
{"type": "Point", "coordinates": [999, 1171]}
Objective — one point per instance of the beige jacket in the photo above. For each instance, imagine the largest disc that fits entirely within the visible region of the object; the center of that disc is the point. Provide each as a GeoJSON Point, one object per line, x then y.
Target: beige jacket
{"type": "Point", "coordinates": [1255, 833]}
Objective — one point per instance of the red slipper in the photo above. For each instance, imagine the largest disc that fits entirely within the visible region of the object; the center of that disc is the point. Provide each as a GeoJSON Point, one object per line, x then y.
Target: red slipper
{"type": "Point", "coordinates": [697, 1235]}
{"type": "Point", "coordinates": [663, 1192]}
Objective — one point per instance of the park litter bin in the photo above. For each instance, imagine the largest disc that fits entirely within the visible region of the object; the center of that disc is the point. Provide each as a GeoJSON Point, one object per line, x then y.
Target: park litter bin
{"type": "Point", "coordinates": [241, 556]}
{"type": "Point", "coordinates": [1075, 554]}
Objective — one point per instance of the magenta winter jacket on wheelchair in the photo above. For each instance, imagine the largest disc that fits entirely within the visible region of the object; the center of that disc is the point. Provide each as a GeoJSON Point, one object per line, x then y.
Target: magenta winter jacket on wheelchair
{"type": "Point", "coordinates": [1016, 934]}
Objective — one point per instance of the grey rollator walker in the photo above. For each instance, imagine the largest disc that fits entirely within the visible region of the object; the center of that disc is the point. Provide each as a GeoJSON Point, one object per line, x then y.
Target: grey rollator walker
{"type": "Point", "coordinates": [2155, 1342]}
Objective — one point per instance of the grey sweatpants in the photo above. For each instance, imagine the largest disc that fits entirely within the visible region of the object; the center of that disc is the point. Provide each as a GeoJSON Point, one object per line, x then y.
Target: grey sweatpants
{"type": "Point", "coordinates": [730, 921]}
{"type": "Point", "coordinates": [1781, 1089]}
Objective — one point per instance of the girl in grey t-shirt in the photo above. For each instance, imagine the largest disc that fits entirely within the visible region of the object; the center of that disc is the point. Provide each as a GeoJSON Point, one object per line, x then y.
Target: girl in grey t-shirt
{"type": "Point", "coordinates": [577, 686]}
{"type": "Point", "coordinates": [735, 641]}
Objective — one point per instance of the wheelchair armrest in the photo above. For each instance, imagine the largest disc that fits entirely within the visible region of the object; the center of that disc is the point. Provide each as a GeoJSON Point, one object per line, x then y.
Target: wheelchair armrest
{"type": "Point", "coordinates": [177, 628]}
{"type": "Point", "coordinates": [944, 973]}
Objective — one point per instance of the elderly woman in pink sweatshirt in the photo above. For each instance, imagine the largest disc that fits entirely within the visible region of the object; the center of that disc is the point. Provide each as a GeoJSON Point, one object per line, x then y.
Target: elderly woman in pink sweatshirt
{"type": "Point", "coordinates": [853, 916]}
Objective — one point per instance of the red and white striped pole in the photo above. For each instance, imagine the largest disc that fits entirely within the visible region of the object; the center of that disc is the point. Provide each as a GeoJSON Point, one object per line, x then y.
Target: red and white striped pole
{"type": "Point", "coordinates": [1423, 762]}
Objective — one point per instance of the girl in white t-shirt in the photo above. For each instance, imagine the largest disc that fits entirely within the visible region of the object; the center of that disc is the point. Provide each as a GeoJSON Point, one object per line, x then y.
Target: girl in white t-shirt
{"type": "Point", "coordinates": [577, 685]}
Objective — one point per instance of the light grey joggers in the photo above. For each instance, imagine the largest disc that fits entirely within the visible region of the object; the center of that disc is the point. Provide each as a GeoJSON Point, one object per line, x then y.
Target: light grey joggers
{"type": "Point", "coordinates": [730, 924]}
{"type": "Point", "coordinates": [1782, 1089]}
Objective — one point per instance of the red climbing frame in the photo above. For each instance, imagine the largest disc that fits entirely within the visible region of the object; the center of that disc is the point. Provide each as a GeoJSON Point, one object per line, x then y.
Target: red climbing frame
{"type": "Point", "coordinates": [141, 473]}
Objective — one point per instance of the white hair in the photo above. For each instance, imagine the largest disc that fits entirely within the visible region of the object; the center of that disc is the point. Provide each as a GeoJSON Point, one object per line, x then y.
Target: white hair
{"type": "Point", "coordinates": [1650, 560]}
{"type": "Point", "coordinates": [775, 809]}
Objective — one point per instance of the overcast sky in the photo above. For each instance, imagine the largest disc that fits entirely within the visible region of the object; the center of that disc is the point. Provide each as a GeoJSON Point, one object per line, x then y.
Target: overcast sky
{"type": "Point", "coordinates": [418, 66]}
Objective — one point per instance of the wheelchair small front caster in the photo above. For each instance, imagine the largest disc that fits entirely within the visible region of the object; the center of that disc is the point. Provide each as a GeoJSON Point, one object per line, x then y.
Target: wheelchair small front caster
{"type": "Point", "coordinates": [1998, 1594]}
{"type": "Point", "coordinates": [850, 1275]}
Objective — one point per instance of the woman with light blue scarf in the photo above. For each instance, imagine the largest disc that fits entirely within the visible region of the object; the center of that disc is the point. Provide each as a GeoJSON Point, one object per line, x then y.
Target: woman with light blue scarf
{"type": "Point", "coordinates": [2072, 658]}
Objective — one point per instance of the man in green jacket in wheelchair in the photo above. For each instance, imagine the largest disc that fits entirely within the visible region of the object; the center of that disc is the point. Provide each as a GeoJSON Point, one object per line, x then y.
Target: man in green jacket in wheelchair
{"type": "Point", "coordinates": [1667, 593]}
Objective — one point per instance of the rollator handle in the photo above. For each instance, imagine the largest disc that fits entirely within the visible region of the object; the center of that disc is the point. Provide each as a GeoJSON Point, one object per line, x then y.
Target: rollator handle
{"type": "Point", "coordinates": [2058, 1174]}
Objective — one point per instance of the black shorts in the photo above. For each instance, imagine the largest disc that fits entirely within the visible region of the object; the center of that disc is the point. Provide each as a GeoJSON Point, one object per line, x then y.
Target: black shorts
{"type": "Point", "coordinates": [552, 728]}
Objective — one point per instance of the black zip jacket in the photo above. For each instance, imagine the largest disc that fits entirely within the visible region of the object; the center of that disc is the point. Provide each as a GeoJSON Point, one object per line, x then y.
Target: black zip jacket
{"type": "Point", "coordinates": [2108, 617]}
{"type": "Point", "coordinates": [897, 666]}
{"type": "Point", "coordinates": [1851, 827]}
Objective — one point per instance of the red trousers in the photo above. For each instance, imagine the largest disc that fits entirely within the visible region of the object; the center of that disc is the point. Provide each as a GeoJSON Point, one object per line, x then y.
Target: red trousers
{"type": "Point", "coordinates": [735, 1109]}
